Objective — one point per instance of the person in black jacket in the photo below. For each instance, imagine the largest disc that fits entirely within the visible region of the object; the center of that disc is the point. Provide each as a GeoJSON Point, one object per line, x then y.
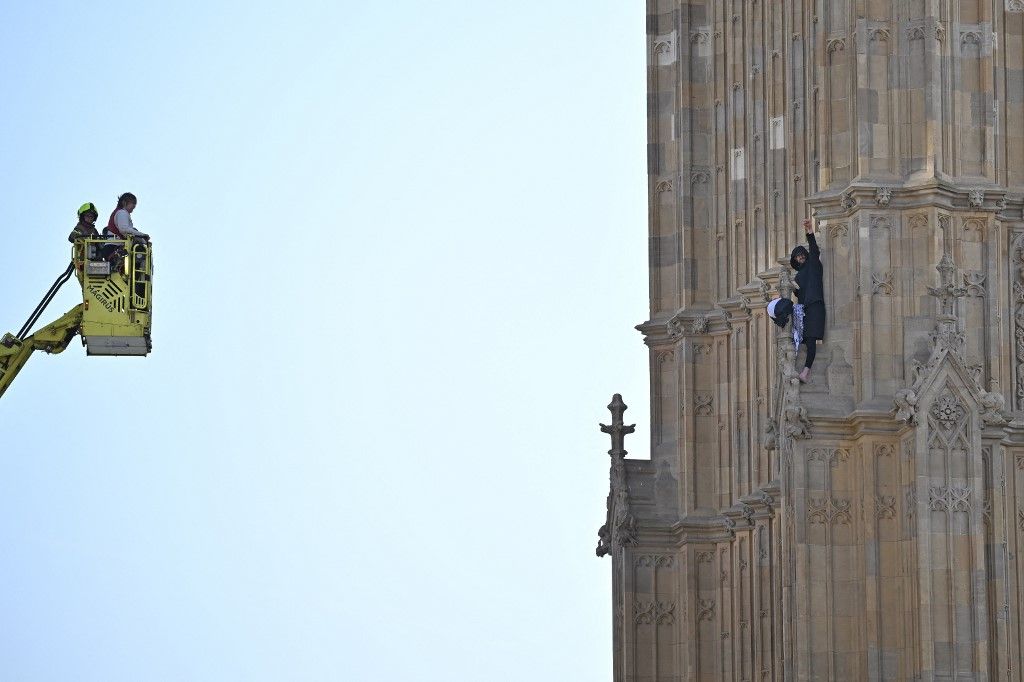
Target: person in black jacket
{"type": "Point", "coordinates": [810, 293]}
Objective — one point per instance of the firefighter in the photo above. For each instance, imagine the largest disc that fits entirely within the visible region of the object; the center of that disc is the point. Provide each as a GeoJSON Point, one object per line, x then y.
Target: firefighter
{"type": "Point", "coordinates": [86, 227]}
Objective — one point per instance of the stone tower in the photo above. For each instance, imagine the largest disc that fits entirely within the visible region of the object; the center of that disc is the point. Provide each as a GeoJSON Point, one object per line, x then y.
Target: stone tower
{"type": "Point", "coordinates": [868, 525]}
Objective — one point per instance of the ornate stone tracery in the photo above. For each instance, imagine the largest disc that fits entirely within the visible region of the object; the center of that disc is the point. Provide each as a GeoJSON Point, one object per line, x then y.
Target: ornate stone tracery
{"type": "Point", "coordinates": [882, 283]}
{"type": "Point", "coordinates": [828, 511]}
{"type": "Point", "coordinates": [949, 499]}
{"type": "Point", "coordinates": [829, 456]}
{"type": "Point", "coordinates": [1017, 255]}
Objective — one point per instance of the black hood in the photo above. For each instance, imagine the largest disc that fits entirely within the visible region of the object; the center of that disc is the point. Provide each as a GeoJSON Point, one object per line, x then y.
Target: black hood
{"type": "Point", "coordinates": [796, 251]}
{"type": "Point", "coordinates": [783, 309]}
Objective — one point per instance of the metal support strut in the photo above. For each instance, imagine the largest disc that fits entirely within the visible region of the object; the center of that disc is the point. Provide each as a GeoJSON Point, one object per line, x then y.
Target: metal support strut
{"type": "Point", "coordinates": [54, 288]}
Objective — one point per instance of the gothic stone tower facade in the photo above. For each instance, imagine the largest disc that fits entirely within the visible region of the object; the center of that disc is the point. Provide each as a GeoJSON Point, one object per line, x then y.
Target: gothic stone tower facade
{"type": "Point", "coordinates": [868, 525]}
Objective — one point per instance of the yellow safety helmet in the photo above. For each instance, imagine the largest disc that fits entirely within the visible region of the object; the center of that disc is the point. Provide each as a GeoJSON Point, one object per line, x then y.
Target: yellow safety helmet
{"type": "Point", "coordinates": [87, 206]}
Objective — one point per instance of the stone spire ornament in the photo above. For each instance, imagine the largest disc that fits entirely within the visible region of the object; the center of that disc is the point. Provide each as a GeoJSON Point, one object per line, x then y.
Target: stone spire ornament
{"type": "Point", "coordinates": [947, 335]}
{"type": "Point", "coordinates": [948, 290]}
{"type": "Point", "coordinates": [620, 526]}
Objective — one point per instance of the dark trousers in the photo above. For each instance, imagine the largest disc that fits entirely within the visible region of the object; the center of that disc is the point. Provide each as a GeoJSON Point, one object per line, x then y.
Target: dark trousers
{"type": "Point", "coordinates": [812, 350]}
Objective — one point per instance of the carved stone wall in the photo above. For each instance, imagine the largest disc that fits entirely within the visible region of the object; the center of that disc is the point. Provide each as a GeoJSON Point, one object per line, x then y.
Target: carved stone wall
{"type": "Point", "coordinates": [868, 525]}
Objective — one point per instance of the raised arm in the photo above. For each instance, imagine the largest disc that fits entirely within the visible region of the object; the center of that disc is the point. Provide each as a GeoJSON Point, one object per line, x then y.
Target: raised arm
{"type": "Point", "coordinates": [811, 241]}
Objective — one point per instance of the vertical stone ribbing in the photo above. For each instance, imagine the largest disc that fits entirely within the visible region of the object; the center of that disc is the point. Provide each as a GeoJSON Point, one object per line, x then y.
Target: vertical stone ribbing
{"type": "Point", "coordinates": [900, 126]}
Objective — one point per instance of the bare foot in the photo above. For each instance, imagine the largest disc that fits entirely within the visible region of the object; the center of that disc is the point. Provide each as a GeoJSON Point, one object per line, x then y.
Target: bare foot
{"type": "Point", "coordinates": [803, 376]}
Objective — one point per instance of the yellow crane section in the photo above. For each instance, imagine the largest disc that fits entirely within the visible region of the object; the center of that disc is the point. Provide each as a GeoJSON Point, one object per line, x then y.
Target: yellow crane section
{"type": "Point", "coordinates": [114, 317]}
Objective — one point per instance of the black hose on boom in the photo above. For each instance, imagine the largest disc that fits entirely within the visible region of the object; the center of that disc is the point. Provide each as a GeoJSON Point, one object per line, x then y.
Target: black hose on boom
{"type": "Point", "coordinates": [54, 288]}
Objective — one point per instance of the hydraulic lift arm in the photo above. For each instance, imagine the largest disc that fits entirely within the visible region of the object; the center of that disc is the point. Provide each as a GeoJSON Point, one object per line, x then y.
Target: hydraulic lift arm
{"type": "Point", "coordinates": [53, 338]}
{"type": "Point", "coordinates": [15, 349]}
{"type": "Point", "coordinates": [114, 317]}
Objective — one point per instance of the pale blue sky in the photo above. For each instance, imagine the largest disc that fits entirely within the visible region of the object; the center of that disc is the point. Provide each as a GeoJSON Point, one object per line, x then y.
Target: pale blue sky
{"type": "Point", "coordinates": [400, 248]}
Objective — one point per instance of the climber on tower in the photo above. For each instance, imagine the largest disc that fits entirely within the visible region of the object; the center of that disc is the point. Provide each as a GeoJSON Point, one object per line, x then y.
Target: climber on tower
{"type": "Point", "coordinates": [810, 294]}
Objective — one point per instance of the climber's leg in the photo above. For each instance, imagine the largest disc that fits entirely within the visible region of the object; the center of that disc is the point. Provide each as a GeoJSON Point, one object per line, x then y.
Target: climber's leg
{"type": "Point", "coordinates": [812, 350]}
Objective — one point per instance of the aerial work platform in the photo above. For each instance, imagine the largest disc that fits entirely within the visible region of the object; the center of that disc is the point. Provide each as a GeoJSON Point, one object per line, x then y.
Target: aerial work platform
{"type": "Point", "coordinates": [116, 305]}
{"type": "Point", "coordinates": [114, 317]}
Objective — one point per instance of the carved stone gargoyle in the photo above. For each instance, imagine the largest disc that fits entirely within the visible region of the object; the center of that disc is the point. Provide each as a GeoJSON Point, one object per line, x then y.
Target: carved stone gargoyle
{"type": "Point", "coordinates": [906, 406]}
{"type": "Point", "coordinates": [993, 409]}
{"type": "Point", "coordinates": [795, 423]}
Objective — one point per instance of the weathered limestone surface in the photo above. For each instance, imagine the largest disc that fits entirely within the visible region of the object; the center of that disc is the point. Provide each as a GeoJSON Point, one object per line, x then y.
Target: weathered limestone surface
{"type": "Point", "coordinates": [867, 526]}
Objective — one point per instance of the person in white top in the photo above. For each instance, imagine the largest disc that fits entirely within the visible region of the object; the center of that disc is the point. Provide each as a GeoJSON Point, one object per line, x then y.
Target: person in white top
{"type": "Point", "coordinates": [120, 223]}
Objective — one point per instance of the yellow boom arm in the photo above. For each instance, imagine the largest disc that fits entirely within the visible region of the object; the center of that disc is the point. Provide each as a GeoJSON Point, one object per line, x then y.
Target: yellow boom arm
{"type": "Point", "coordinates": [113, 318]}
{"type": "Point", "coordinates": [53, 338]}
